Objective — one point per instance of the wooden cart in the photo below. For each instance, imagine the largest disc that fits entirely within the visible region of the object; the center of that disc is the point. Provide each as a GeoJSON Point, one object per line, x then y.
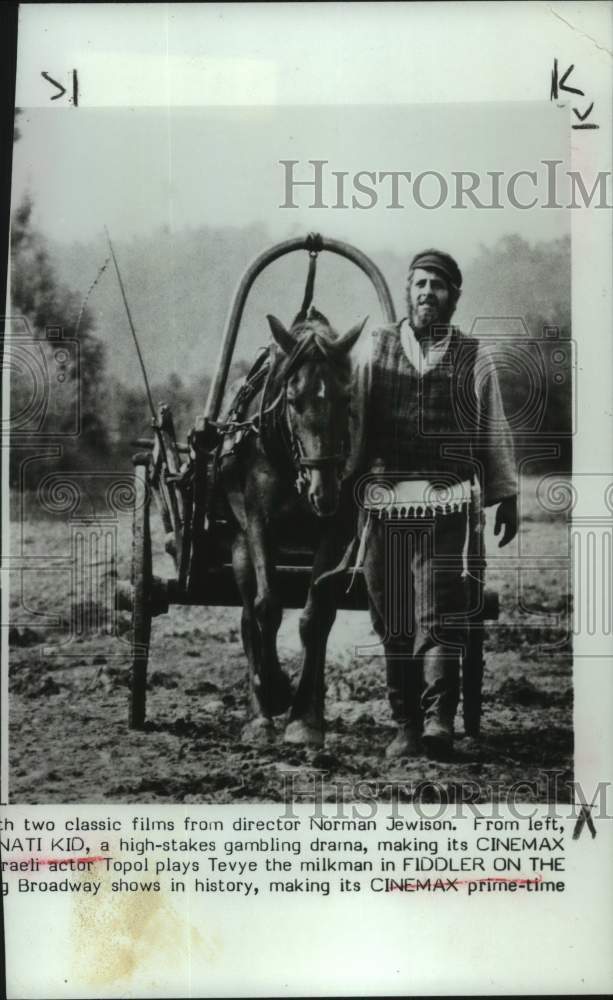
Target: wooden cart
{"type": "Point", "coordinates": [179, 478]}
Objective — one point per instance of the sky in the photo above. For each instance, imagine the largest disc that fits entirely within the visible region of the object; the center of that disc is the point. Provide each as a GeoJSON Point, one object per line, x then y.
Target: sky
{"type": "Point", "coordinates": [136, 169]}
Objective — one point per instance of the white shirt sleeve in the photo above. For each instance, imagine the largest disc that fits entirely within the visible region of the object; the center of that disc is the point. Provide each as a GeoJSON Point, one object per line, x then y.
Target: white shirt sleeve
{"type": "Point", "coordinates": [496, 450]}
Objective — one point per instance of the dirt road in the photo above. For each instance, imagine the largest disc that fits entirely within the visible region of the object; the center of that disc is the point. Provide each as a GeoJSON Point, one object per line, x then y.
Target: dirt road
{"type": "Point", "coordinates": [70, 742]}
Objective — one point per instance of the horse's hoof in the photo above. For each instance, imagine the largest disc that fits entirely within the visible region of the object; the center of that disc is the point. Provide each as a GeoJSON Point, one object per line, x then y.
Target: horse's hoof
{"type": "Point", "coordinates": [279, 695]}
{"type": "Point", "coordinates": [300, 732]}
{"type": "Point", "coordinates": [260, 732]}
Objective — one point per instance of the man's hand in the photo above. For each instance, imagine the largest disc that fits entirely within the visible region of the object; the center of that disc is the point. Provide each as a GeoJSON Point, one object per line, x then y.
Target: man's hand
{"type": "Point", "coordinates": [506, 518]}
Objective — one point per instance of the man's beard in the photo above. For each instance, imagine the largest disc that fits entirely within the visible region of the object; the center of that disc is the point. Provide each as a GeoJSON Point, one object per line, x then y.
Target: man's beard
{"type": "Point", "coordinates": [426, 317]}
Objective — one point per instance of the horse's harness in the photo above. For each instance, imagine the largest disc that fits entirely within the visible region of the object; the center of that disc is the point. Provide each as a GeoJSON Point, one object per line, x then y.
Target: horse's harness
{"type": "Point", "coordinates": [272, 422]}
{"type": "Point", "coordinates": [301, 461]}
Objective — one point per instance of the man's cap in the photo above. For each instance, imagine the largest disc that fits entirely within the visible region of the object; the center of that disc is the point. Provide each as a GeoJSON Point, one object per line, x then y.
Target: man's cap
{"type": "Point", "coordinates": [437, 260]}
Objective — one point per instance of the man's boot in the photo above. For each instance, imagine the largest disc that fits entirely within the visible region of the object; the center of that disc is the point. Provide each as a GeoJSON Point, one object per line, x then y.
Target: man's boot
{"type": "Point", "coordinates": [404, 691]}
{"type": "Point", "coordinates": [440, 699]}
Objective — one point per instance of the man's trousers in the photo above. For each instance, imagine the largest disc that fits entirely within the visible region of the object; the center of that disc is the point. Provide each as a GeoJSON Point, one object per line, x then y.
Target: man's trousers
{"type": "Point", "coordinates": [418, 594]}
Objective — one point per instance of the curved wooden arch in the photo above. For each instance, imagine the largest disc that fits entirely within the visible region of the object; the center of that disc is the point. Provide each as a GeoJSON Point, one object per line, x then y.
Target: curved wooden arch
{"type": "Point", "coordinates": [310, 243]}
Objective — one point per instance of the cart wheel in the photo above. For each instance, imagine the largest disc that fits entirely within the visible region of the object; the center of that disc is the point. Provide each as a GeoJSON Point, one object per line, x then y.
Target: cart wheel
{"type": "Point", "coordinates": [141, 592]}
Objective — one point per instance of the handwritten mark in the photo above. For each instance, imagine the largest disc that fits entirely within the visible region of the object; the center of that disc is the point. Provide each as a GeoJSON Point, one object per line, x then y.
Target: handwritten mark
{"type": "Point", "coordinates": [36, 860]}
{"type": "Point", "coordinates": [453, 883]}
{"type": "Point", "coordinates": [559, 84]}
{"type": "Point", "coordinates": [82, 860]}
{"type": "Point", "coordinates": [584, 819]}
{"type": "Point", "coordinates": [580, 116]}
{"type": "Point", "coordinates": [61, 89]}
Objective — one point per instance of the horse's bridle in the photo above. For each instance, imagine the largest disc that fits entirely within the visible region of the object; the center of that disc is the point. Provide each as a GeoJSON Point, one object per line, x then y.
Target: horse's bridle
{"type": "Point", "coordinates": [300, 460]}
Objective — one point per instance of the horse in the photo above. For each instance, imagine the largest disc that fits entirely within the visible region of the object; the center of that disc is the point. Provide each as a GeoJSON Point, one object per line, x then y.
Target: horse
{"type": "Point", "coordinates": [288, 467]}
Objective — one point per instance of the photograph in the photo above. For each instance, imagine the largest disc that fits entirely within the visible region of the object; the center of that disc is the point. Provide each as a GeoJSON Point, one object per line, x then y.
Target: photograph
{"type": "Point", "coordinates": [307, 519]}
{"type": "Point", "coordinates": [299, 463]}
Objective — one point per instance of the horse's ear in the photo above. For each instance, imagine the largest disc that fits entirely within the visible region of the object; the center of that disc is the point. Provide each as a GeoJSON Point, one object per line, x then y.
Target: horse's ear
{"type": "Point", "coordinates": [346, 342]}
{"type": "Point", "coordinates": [282, 336]}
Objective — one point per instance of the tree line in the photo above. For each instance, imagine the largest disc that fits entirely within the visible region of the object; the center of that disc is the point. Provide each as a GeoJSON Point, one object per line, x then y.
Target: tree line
{"type": "Point", "coordinates": [112, 413]}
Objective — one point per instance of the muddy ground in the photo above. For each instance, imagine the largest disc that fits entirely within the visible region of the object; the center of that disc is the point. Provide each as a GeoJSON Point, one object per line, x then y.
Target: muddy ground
{"type": "Point", "coordinates": [68, 704]}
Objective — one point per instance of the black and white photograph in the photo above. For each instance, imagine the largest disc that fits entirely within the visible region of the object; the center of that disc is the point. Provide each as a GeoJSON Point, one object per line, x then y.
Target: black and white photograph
{"type": "Point", "coordinates": [317, 452]}
{"type": "Point", "coordinates": [307, 520]}
{"type": "Point", "coordinates": [389, 411]}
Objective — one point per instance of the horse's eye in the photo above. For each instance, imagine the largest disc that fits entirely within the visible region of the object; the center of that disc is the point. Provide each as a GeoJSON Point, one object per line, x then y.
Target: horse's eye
{"type": "Point", "coordinates": [295, 401]}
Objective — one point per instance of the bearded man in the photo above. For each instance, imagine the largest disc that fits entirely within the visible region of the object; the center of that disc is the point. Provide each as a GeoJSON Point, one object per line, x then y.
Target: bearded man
{"type": "Point", "coordinates": [435, 439]}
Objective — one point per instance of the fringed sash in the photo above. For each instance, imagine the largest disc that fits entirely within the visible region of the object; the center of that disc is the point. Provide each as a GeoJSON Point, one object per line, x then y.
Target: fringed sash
{"type": "Point", "coordinates": [412, 498]}
{"type": "Point", "coordinates": [416, 498]}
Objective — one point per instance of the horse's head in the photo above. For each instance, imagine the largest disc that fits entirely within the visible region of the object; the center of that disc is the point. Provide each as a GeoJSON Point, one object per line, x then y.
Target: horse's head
{"type": "Point", "coordinates": [316, 373]}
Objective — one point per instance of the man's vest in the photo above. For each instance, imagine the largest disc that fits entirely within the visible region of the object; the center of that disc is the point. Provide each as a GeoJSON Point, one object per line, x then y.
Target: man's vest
{"type": "Point", "coordinates": [422, 424]}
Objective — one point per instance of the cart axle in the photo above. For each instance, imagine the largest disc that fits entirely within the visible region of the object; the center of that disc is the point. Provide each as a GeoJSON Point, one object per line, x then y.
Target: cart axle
{"type": "Point", "coordinates": [219, 589]}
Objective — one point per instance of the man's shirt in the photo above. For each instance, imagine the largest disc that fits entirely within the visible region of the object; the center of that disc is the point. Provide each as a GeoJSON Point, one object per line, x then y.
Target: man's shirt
{"type": "Point", "coordinates": [498, 475]}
